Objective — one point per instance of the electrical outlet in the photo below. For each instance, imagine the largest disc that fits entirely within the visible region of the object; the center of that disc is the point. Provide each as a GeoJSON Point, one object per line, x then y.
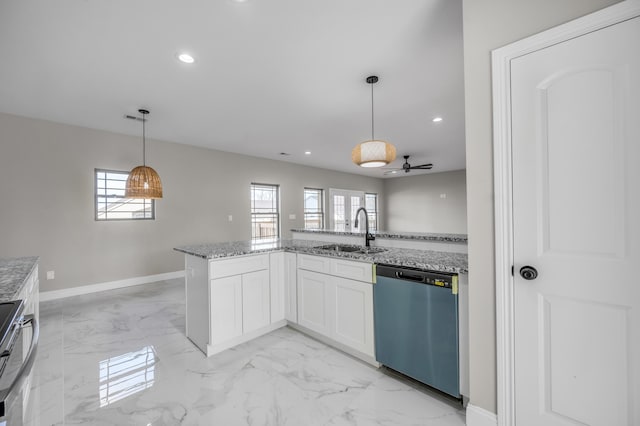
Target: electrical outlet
{"type": "Point", "coordinates": [292, 216]}
{"type": "Point", "coordinates": [443, 195]}
{"type": "Point", "coordinates": [51, 275]}
{"type": "Point", "coordinates": [230, 218]}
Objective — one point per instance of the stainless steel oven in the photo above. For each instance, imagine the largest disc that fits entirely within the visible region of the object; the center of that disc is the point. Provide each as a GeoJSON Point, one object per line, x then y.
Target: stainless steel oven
{"type": "Point", "coordinates": [18, 342]}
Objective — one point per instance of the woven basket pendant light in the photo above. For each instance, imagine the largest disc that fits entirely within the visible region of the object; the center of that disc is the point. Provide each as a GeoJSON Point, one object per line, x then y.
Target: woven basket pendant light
{"type": "Point", "coordinates": [143, 181]}
{"type": "Point", "coordinates": [373, 153]}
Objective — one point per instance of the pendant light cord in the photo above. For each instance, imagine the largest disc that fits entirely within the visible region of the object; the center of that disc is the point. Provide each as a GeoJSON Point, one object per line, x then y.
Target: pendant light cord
{"type": "Point", "coordinates": [144, 113]}
{"type": "Point", "coordinates": [372, 128]}
{"type": "Point", "coordinates": [144, 150]}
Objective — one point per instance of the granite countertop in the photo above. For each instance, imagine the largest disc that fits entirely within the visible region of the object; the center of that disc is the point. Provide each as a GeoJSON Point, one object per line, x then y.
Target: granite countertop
{"type": "Point", "coordinates": [13, 273]}
{"type": "Point", "coordinates": [423, 259]}
{"type": "Point", "coordinates": [449, 238]}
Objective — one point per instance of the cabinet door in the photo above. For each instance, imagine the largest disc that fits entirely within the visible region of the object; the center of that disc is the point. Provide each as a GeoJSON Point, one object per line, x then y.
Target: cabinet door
{"type": "Point", "coordinates": [226, 308]}
{"type": "Point", "coordinates": [277, 278]}
{"type": "Point", "coordinates": [256, 299]}
{"type": "Point", "coordinates": [353, 321]}
{"type": "Point", "coordinates": [290, 293]}
{"type": "Point", "coordinates": [314, 301]}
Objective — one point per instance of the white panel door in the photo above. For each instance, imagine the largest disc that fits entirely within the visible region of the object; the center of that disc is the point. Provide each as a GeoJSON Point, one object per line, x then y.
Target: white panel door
{"type": "Point", "coordinates": [256, 299]}
{"type": "Point", "coordinates": [226, 309]}
{"type": "Point", "coordinates": [353, 319]}
{"type": "Point", "coordinates": [314, 301]}
{"type": "Point", "coordinates": [576, 215]}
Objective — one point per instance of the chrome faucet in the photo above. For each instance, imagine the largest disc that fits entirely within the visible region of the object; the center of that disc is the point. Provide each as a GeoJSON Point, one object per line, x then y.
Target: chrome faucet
{"type": "Point", "coordinates": [367, 235]}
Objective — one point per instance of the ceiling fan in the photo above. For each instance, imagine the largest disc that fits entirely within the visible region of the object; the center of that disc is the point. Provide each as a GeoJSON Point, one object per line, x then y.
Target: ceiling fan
{"type": "Point", "coordinates": [407, 167]}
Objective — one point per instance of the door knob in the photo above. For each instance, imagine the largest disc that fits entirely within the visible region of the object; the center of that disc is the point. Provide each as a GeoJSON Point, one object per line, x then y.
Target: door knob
{"type": "Point", "coordinates": [528, 273]}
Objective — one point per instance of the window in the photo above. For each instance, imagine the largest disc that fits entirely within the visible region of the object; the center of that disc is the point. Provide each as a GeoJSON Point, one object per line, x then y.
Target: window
{"type": "Point", "coordinates": [265, 212]}
{"type": "Point", "coordinates": [313, 208]}
{"type": "Point", "coordinates": [371, 204]}
{"type": "Point", "coordinates": [110, 201]}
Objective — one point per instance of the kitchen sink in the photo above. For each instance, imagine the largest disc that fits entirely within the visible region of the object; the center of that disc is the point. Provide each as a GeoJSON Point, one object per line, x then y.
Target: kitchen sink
{"type": "Point", "coordinates": [347, 248]}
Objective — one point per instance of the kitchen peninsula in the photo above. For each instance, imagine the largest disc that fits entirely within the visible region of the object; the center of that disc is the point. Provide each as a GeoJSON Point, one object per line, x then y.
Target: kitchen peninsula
{"type": "Point", "coordinates": [237, 291]}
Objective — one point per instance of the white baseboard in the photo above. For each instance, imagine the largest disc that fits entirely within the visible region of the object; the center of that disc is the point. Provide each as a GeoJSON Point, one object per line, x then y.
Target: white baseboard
{"type": "Point", "coordinates": [477, 416]}
{"type": "Point", "coordinates": [111, 285]}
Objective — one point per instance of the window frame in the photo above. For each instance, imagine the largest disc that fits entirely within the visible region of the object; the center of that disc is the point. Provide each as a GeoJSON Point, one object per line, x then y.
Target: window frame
{"type": "Point", "coordinates": [96, 196]}
{"type": "Point", "coordinates": [254, 215]}
{"type": "Point", "coordinates": [319, 212]}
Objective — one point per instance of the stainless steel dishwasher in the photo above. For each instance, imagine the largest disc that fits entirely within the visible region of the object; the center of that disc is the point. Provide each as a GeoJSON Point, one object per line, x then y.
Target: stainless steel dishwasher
{"type": "Point", "coordinates": [416, 325]}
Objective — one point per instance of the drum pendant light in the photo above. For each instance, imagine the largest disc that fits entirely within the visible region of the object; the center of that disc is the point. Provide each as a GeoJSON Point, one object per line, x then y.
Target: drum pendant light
{"type": "Point", "coordinates": [143, 181]}
{"type": "Point", "coordinates": [373, 153]}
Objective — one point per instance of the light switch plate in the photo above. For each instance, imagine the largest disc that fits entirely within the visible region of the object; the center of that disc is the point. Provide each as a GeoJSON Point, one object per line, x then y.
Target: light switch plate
{"type": "Point", "coordinates": [51, 275]}
{"type": "Point", "coordinates": [292, 216]}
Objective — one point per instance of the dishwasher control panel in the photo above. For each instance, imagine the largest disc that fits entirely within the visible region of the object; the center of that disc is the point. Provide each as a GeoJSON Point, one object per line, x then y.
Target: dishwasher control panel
{"type": "Point", "coordinates": [419, 276]}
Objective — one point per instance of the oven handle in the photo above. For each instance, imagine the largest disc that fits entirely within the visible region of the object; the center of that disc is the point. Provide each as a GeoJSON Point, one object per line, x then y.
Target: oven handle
{"type": "Point", "coordinates": [25, 368]}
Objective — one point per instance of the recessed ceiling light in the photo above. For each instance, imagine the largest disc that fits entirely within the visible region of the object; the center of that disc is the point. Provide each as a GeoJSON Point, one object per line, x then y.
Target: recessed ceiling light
{"type": "Point", "coordinates": [307, 153]}
{"type": "Point", "coordinates": [437, 119]}
{"type": "Point", "coordinates": [394, 172]}
{"type": "Point", "coordinates": [186, 58]}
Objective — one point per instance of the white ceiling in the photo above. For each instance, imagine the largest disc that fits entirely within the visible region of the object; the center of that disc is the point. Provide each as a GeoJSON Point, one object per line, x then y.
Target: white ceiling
{"type": "Point", "coordinates": [270, 76]}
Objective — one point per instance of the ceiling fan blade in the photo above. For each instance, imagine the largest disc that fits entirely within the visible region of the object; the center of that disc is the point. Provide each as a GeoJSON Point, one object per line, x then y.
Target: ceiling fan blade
{"type": "Point", "coordinates": [422, 166]}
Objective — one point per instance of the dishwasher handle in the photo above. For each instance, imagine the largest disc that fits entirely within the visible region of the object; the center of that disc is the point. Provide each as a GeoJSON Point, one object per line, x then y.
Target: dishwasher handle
{"type": "Point", "coordinates": [402, 275]}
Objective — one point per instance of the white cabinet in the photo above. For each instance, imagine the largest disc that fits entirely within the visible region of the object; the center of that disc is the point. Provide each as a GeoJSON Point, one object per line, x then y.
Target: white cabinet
{"type": "Point", "coordinates": [314, 263]}
{"type": "Point", "coordinates": [233, 300]}
{"type": "Point", "coordinates": [359, 271]}
{"type": "Point", "coordinates": [256, 300]}
{"type": "Point", "coordinates": [290, 288]}
{"type": "Point", "coordinates": [338, 308]}
{"type": "Point", "coordinates": [277, 274]}
{"type": "Point", "coordinates": [226, 309]}
{"type": "Point", "coordinates": [353, 319]}
{"type": "Point", "coordinates": [229, 301]}
{"type": "Point", "coordinates": [315, 296]}
{"type": "Point", "coordinates": [227, 267]}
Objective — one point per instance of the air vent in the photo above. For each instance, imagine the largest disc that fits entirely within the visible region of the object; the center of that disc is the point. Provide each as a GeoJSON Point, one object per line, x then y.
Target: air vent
{"type": "Point", "coordinates": [284, 153]}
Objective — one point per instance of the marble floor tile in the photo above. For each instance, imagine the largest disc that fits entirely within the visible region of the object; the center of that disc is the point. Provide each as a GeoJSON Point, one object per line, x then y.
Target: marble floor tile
{"type": "Point", "coordinates": [122, 358]}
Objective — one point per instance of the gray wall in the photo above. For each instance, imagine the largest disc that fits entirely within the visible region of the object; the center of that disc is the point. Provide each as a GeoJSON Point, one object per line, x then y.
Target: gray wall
{"type": "Point", "coordinates": [47, 200]}
{"type": "Point", "coordinates": [489, 24]}
{"type": "Point", "coordinates": [414, 203]}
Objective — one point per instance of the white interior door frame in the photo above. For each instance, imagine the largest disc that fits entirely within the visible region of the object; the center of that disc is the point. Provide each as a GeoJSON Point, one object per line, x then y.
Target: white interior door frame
{"type": "Point", "coordinates": [501, 78]}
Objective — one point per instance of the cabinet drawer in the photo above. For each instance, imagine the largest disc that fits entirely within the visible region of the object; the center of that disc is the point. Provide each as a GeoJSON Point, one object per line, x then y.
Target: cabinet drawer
{"type": "Point", "coordinates": [314, 263]}
{"type": "Point", "coordinates": [360, 271]}
{"type": "Point", "coordinates": [238, 265]}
